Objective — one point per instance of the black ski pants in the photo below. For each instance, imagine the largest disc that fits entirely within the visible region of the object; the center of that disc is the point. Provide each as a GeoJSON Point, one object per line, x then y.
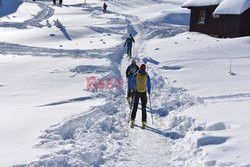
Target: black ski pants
{"type": "Point", "coordinates": [130, 92]}
{"type": "Point", "coordinates": [129, 50]}
{"type": "Point", "coordinates": [143, 97]}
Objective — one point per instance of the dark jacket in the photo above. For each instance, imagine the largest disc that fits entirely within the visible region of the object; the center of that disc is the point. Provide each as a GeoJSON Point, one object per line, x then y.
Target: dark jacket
{"type": "Point", "coordinates": [105, 6]}
{"type": "Point", "coordinates": [132, 68]}
{"type": "Point", "coordinates": [129, 41]}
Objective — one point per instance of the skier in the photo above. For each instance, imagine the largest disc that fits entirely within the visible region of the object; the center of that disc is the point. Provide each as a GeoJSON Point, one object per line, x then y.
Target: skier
{"type": "Point", "coordinates": [141, 84]}
{"type": "Point", "coordinates": [129, 42]}
{"type": "Point", "coordinates": [105, 8]}
{"type": "Point", "coordinates": [131, 70]}
{"type": "Point", "coordinates": [54, 2]}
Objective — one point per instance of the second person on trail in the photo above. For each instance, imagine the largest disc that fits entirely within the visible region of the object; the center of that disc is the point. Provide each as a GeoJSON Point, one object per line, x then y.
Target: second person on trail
{"type": "Point", "coordinates": [129, 42]}
{"type": "Point", "coordinates": [131, 70]}
{"type": "Point", "coordinates": [105, 8]}
{"type": "Point", "coordinates": [141, 84]}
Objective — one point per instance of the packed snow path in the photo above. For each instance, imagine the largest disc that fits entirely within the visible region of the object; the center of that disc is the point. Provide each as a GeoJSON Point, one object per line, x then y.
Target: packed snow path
{"type": "Point", "coordinates": [160, 144]}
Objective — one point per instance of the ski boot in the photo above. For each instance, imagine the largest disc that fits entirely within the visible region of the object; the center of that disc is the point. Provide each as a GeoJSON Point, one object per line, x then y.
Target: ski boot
{"type": "Point", "coordinates": [143, 125]}
{"type": "Point", "coordinates": [132, 124]}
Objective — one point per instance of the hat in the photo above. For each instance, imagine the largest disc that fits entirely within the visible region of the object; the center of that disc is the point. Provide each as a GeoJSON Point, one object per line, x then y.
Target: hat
{"type": "Point", "coordinates": [133, 61]}
{"type": "Point", "coordinates": [143, 67]}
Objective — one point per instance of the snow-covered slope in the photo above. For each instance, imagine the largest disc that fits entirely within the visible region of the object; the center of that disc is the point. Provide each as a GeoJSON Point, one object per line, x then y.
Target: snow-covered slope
{"type": "Point", "coordinates": [50, 118]}
{"type": "Point", "coordinates": [201, 64]}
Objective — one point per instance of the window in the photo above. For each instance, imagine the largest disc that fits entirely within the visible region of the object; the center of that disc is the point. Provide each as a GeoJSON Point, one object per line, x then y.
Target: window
{"type": "Point", "coordinates": [202, 16]}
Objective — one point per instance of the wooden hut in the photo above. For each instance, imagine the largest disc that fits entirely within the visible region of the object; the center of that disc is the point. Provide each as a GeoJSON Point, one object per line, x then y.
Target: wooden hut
{"type": "Point", "coordinates": [220, 18]}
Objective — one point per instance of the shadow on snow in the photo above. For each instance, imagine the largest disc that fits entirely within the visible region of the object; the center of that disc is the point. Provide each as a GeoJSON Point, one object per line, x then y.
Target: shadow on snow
{"type": "Point", "coordinates": [8, 7]}
{"type": "Point", "coordinates": [67, 101]}
{"type": "Point", "coordinates": [65, 33]}
{"type": "Point", "coordinates": [171, 135]}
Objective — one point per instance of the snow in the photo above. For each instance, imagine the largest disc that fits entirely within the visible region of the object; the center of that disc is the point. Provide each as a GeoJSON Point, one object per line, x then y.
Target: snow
{"type": "Point", "coordinates": [203, 71]}
{"type": "Point", "coordinates": [196, 3]}
{"type": "Point", "coordinates": [50, 118]}
{"type": "Point", "coordinates": [232, 7]}
{"type": "Point", "coordinates": [23, 12]}
{"type": "Point", "coordinates": [224, 6]}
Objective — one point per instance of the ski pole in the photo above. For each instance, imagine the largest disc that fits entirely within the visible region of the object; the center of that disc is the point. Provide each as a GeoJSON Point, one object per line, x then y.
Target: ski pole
{"type": "Point", "coordinates": [151, 109]}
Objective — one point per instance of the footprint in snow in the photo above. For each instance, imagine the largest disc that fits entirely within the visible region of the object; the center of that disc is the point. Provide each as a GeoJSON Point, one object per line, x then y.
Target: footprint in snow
{"type": "Point", "coordinates": [211, 140]}
{"type": "Point", "coordinates": [52, 35]}
{"type": "Point", "coordinates": [218, 126]}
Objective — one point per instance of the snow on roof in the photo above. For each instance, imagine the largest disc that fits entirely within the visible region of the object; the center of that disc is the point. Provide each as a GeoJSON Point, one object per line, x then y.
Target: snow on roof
{"type": "Point", "coordinates": [194, 3]}
{"type": "Point", "coordinates": [232, 7]}
{"type": "Point", "coordinates": [224, 6]}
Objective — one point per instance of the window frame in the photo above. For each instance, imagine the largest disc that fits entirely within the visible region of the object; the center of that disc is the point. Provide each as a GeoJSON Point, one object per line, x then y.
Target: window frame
{"type": "Point", "coordinates": [202, 17]}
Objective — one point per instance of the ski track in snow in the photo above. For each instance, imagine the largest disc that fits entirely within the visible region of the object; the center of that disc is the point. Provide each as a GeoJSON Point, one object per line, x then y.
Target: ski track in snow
{"type": "Point", "coordinates": [42, 15]}
{"type": "Point", "coordinates": [102, 137]}
{"type": "Point", "coordinates": [16, 49]}
{"type": "Point", "coordinates": [235, 97]}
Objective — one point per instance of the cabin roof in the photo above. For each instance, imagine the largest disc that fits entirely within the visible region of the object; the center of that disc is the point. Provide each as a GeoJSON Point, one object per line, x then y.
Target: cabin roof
{"type": "Point", "coordinates": [235, 7]}
{"type": "Point", "coordinates": [199, 3]}
{"type": "Point", "coordinates": [232, 7]}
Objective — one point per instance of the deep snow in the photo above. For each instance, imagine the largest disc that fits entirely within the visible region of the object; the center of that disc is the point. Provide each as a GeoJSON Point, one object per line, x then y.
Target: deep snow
{"type": "Point", "coordinates": [49, 117]}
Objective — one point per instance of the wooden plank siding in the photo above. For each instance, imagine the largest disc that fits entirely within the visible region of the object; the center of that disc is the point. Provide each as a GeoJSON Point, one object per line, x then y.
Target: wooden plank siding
{"type": "Point", "coordinates": [245, 24]}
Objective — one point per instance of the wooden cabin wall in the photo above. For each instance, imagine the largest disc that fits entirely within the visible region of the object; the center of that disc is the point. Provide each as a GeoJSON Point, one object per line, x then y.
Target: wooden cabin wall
{"type": "Point", "coordinates": [212, 26]}
{"type": "Point", "coordinates": [231, 26]}
{"type": "Point", "coordinates": [224, 26]}
{"type": "Point", "coordinates": [245, 23]}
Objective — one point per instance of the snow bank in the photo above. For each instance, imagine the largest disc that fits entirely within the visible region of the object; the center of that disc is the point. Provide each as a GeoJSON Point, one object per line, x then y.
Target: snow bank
{"type": "Point", "coordinates": [201, 64]}
{"type": "Point", "coordinates": [176, 18]}
{"type": "Point", "coordinates": [85, 140]}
